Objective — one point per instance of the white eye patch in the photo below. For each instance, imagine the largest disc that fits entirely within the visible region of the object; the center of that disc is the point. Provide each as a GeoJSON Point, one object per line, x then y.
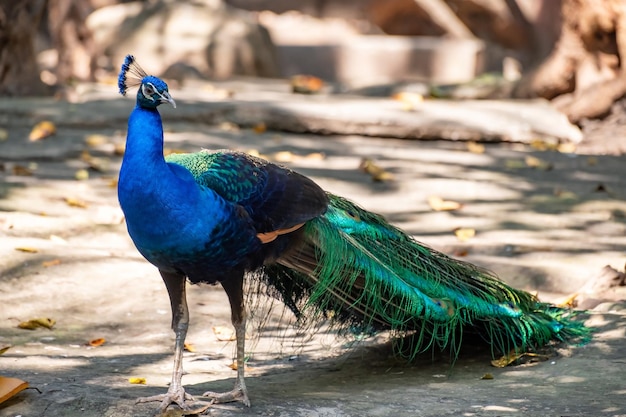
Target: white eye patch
{"type": "Point", "coordinates": [148, 90]}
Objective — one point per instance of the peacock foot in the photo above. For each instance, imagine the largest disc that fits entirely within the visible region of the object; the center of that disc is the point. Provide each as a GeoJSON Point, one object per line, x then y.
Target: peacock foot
{"type": "Point", "coordinates": [176, 396]}
{"type": "Point", "coordinates": [239, 393]}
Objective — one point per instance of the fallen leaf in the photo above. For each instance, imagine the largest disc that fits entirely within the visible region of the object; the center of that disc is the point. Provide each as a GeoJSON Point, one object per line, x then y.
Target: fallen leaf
{"type": "Point", "coordinates": [475, 147]}
{"type": "Point", "coordinates": [306, 84]}
{"type": "Point", "coordinates": [410, 101]}
{"type": "Point", "coordinates": [27, 249]}
{"type": "Point", "coordinates": [542, 145]}
{"type": "Point", "coordinates": [512, 356]}
{"type": "Point", "coordinates": [567, 147]}
{"type": "Point", "coordinates": [229, 127]}
{"type": "Point", "coordinates": [224, 334]}
{"type": "Point", "coordinates": [137, 380]}
{"type": "Point", "coordinates": [316, 156]}
{"type": "Point", "coordinates": [461, 253]}
{"type": "Point", "coordinates": [53, 262]}
{"type": "Point", "coordinates": [189, 347]}
{"type": "Point", "coordinates": [37, 323]}
{"type": "Point", "coordinates": [96, 342]}
{"type": "Point", "coordinates": [487, 376]}
{"type": "Point", "coordinates": [81, 175]}
{"type": "Point", "coordinates": [22, 171]}
{"type": "Point", "coordinates": [75, 202]}
{"type": "Point", "coordinates": [97, 164]}
{"type": "Point", "coordinates": [96, 140]}
{"type": "Point", "coordinates": [464, 233]}
{"type": "Point", "coordinates": [234, 366]}
{"type": "Point", "coordinates": [259, 128]}
{"type": "Point", "coordinates": [439, 204]}
{"type": "Point", "coordinates": [119, 149]}
{"type": "Point", "coordinates": [534, 162]}
{"type": "Point", "coordinates": [42, 130]}
{"type": "Point", "coordinates": [4, 135]}
{"type": "Point", "coordinates": [4, 349]}
{"type": "Point", "coordinates": [377, 173]}
{"type": "Point", "coordinates": [569, 302]}
{"type": "Point", "coordinates": [10, 387]}
{"type": "Point", "coordinates": [592, 160]}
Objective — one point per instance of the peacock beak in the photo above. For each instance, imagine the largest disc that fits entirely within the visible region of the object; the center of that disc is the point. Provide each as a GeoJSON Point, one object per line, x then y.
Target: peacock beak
{"type": "Point", "coordinates": [166, 98]}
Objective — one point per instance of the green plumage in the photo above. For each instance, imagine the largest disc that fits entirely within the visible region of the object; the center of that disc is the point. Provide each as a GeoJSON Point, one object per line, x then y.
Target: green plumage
{"type": "Point", "coordinates": [354, 264]}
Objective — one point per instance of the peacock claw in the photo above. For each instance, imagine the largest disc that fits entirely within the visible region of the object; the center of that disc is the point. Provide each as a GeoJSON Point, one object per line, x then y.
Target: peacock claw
{"type": "Point", "coordinates": [237, 394]}
{"type": "Point", "coordinates": [172, 396]}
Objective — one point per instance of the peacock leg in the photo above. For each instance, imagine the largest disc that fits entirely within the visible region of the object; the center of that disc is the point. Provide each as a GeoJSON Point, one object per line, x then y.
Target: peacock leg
{"type": "Point", "coordinates": [234, 290]}
{"type": "Point", "coordinates": [175, 284]}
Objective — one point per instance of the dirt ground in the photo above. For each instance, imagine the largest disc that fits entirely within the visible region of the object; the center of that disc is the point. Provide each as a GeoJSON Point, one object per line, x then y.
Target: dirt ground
{"type": "Point", "coordinates": [65, 254]}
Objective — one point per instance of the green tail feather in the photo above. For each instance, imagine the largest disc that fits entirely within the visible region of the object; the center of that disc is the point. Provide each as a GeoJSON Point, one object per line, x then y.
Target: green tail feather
{"type": "Point", "coordinates": [359, 269]}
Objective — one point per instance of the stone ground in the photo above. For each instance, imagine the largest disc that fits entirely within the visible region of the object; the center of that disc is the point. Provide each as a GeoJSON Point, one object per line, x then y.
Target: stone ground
{"type": "Point", "coordinates": [548, 227]}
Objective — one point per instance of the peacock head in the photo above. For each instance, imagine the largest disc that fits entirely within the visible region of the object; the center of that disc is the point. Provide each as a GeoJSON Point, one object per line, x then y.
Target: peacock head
{"type": "Point", "coordinates": [152, 90]}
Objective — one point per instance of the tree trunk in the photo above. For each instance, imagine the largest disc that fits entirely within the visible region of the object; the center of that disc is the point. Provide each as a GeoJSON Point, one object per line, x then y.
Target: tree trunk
{"type": "Point", "coordinates": [585, 73]}
{"type": "Point", "coordinates": [19, 74]}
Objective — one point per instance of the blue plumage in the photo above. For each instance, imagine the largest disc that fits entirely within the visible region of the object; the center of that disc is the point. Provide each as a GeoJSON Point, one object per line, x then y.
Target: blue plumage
{"type": "Point", "coordinates": [213, 216]}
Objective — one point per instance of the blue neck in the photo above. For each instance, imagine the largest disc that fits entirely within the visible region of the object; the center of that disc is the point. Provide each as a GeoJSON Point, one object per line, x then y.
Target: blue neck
{"type": "Point", "coordinates": [144, 143]}
{"type": "Point", "coordinates": [154, 198]}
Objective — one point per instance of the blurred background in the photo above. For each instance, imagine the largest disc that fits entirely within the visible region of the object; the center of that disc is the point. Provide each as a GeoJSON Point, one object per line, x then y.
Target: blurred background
{"type": "Point", "coordinates": [567, 51]}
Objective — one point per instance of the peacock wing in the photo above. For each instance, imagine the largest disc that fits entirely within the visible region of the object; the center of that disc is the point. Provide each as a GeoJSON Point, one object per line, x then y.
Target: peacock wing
{"type": "Point", "coordinates": [275, 198]}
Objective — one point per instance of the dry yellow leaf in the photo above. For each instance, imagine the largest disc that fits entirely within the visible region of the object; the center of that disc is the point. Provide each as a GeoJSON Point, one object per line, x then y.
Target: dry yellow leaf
{"type": "Point", "coordinates": [487, 376]}
{"type": "Point", "coordinates": [535, 162]}
{"type": "Point", "coordinates": [234, 366]}
{"type": "Point", "coordinates": [96, 140]}
{"type": "Point", "coordinates": [229, 127]}
{"type": "Point", "coordinates": [27, 249]}
{"type": "Point", "coordinates": [439, 204]}
{"type": "Point", "coordinates": [4, 135]}
{"type": "Point", "coordinates": [259, 128]}
{"type": "Point", "coordinates": [316, 156]}
{"type": "Point", "coordinates": [37, 323]}
{"type": "Point", "coordinates": [410, 101]}
{"type": "Point", "coordinates": [52, 262]}
{"type": "Point", "coordinates": [81, 175]}
{"type": "Point", "coordinates": [10, 387]}
{"type": "Point", "coordinates": [97, 164]}
{"type": "Point", "coordinates": [137, 380]}
{"type": "Point", "coordinates": [75, 202]}
{"type": "Point", "coordinates": [96, 342]}
{"type": "Point", "coordinates": [189, 347]}
{"type": "Point", "coordinates": [464, 233]}
{"type": "Point", "coordinates": [42, 130]}
{"type": "Point", "coordinates": [377, 173]}
{"type": "Point", "coordinates": [4, 349]}
{"type": "Point", "coordinates": [306, 84]}
{"type": "Point", "coordinates": [567, 147]}
{"type": "Point", "coordinates": [224, 334]}
{"type": "Point", "coordinates": [512, 356]}
{"type": "Point", "coordinates": [119, 149]}
{"type": "Point", "coordinates": [475, 147]}
{"type": "Point", "coordinates": [569, 302]}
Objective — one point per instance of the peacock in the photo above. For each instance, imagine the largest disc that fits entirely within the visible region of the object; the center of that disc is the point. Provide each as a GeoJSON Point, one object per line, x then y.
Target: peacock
{"type": "Point", "coordinates": [217, 216]}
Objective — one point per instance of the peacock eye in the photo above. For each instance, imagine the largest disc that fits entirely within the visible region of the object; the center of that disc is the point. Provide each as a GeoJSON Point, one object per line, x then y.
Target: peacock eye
{"type": "Point", "coordinates": [148, 90]}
